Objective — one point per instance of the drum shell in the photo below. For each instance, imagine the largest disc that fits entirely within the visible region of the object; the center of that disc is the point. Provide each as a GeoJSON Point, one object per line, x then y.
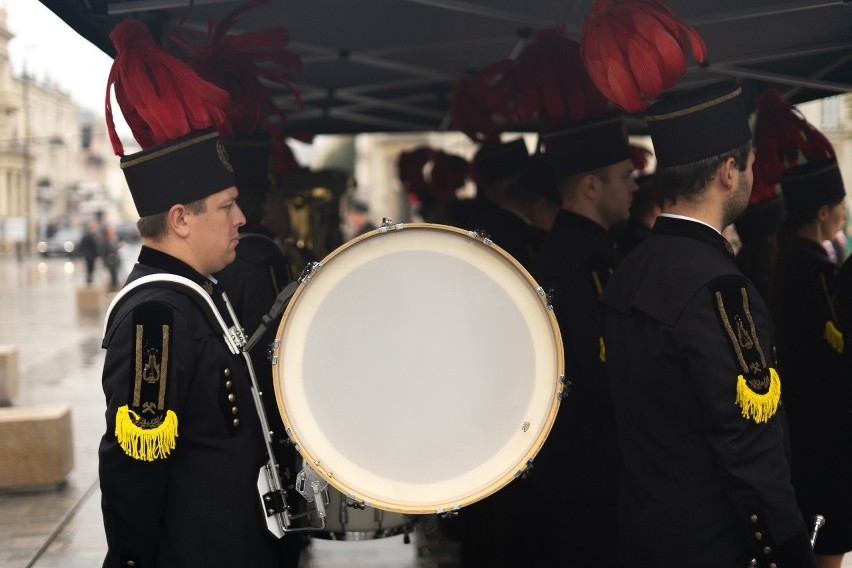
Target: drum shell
{"type": "Point", "coordinates": [349, 523]}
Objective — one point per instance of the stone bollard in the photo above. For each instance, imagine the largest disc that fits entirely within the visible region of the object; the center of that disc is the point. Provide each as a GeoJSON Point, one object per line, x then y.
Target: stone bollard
{"type": "Point", "coordinates": [36, 446]}
{"type": "Point", "coordinates": [8, 374]}
{"type": "Point", "coordinates": [89, 298]}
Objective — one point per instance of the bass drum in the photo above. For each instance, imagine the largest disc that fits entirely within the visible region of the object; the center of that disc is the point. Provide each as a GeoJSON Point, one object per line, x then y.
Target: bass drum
{"type": "Point", "coordinates": [418, 368]}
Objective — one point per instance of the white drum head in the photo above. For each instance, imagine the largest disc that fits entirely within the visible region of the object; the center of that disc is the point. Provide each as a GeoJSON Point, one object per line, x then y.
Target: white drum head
{"type": "Point", "coordinates": [418, 370]}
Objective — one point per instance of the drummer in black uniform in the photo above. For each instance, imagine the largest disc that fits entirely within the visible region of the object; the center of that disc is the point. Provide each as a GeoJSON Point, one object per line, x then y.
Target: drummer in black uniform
{"type": "Point", "coordinates": [183, 446]}
{"type": "Point", "coordinates": [576, 470]}
{"type": "Point", "coordinates": [691, 363]}
{"type": "Point", "coordinates": [495, 167]}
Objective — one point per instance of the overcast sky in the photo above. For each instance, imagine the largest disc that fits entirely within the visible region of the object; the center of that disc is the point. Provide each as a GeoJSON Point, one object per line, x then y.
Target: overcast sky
{"type": "Point", "coordinates": [53, 51]}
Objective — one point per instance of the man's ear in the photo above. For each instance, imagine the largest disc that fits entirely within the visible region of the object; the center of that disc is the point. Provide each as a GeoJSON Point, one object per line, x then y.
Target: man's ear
{"type": "Point", "coordinates": [823, 212]}
{"type": "Point", "coordinates": [590, 185]}
{"type": "Point", "coordinates": [728, 172]}
{"type": "Point", "coordinates": [176, 220]}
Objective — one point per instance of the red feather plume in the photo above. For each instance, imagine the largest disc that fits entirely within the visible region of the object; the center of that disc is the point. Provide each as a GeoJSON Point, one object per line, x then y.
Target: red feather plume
{"type": "Point", "coordinates": [449, 172]}
{"type": "Point", "coordinates": [635, 49]}
{"type": "Point", "coordinates": [410, 169]}
{"type": "Point", "coordinates": [161, 97]}
{"type": "Point", "coordinates": [237, 63]}
{"type": "Point", "coordinates": [474, 108]}
{"type": "Point", "coordinates": [548, 79]}
{"type": "Point", "coordinates": [782, 136]}
{"type": "Point", "coordinates": [282, 157]}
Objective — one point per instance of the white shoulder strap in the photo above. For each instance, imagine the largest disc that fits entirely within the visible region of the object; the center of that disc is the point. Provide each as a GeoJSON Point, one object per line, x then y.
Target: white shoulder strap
{"type": "Point", "coordinates": [229, 333]}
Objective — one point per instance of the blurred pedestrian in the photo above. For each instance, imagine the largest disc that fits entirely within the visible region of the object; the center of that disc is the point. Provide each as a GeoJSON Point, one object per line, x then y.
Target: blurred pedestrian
{"type": "Point", "coordinates": [90, 248]}
{"type": "Point", "coordinates": [111, 255]}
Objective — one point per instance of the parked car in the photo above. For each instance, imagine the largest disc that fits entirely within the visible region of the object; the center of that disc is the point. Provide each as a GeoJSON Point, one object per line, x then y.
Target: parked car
{"type": "Point", "coordinates": [63, 243]}
{"type": "Point", "coordinates": [127, 232]}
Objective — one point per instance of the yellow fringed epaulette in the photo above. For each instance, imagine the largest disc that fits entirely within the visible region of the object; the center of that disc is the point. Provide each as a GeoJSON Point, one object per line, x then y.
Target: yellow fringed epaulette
{"type": "Point", "coordinates": [833, 336]}
{"type": "Point", "coordinates": [602, 353]}
{"type": "Point", "coordinates": [758, 388]}
{"type": "Point", "coordinates": [147, 444]}
{"type": "Point", "coordinates": [759, 407]}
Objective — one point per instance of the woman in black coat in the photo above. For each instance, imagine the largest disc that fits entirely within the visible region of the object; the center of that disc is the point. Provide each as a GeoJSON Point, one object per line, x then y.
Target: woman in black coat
{"type": "Point", "coordinates": [810, 353]}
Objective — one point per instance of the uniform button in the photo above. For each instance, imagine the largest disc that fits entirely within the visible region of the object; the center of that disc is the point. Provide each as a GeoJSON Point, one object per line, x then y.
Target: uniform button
{"type": "Point", "coordinates": [767, 550]}
{"type": "Point", "coordinates": [131, 563]}
{"type": "Point", "coordinates": [228, 384]}
{"type": "Point", "coordinates": [758, 535]}
{"type": "Point", "coordinates": [227, 372]}
{"type": "Point", "coordinates": [754, 518]}
{"type": "Point", "coordinates": [773, 565]}
{"type": "Point", "coordinates": [234, 410]}
{"type": "Point", "coordinates": [236, 422]}
{"type": "Point", "coordinates": [231, 397]}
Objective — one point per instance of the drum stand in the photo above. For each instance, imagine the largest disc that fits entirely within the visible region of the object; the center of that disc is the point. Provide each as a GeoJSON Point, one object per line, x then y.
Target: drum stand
{"type": "Point", "coordinates": [273, 495]}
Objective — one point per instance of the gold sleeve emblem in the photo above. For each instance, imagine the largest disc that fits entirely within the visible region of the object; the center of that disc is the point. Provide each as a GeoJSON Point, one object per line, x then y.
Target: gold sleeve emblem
{"type": "Point", "coordinates": [758, 387]}
{"type": "Point", "coordinates": [145, 428]}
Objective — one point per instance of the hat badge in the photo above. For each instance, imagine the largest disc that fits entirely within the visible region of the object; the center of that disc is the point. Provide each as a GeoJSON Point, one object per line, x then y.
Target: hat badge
{"type": "Point", "coordinates": [223, 156]}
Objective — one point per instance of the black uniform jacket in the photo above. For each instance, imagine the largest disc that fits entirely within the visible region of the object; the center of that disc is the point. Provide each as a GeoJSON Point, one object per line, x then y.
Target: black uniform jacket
{"type": "Point", "coordinates": [510, 232]}
{"type": "Point", "coordinates": [253, 281]}
{"type": "Point", "coordinates": [816, 390]}
{"type": "Point", "coordinates": [255, 277]}
{"type": "Point", "coordinates": [579, 460]}
{"type": "Point", "coordinates": [706, 480]}
{"type": "Point", "coordinates": [186, 496]}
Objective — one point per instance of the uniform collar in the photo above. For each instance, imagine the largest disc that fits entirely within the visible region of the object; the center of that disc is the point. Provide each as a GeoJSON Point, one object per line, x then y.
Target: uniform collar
{"type": "Point", "coordinates": [693, 229]}
{"type": "Point", "coordinates": [168, 263]}
{"type": "Point", "coordinates": [581, 222]}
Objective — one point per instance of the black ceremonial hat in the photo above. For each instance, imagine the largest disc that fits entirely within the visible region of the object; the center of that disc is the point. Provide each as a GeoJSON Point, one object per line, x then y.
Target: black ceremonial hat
{"type": "Point", "coordinates": [808, 187]}
{"type": "Point", "coordinates": [587, 145]}
{"type": "Point", "coordinates": [249, 155]}
{"type": "Point", "coordinates": [699, 124]}
{"type": "Point", "coordinates": [174, 115]}
{"type": "Point", "coordinates": [496, 162]}
{"type": "Point", "coordinates": [179, 171]}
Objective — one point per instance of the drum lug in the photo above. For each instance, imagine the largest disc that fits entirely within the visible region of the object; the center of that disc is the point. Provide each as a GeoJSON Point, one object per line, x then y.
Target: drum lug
{"type": "Point", "coordinates": [354, 503]}
{"type": "Point", "coordinates": [566, 387]}
{"type": "Point", "coordinates": [524, 473]}
{"type": "Point", "coordinates": [444, 514]}
{"type": "Point", "coordinates": [309, 271]}
{"type": "Point", "coordinates": [271, 352]}
{"type": "Point", "coordinates": [480, 234]}
{"type": "Point", "coordinates": [388, 224]}
{"type": "Point", "coordinates": [548, 298]}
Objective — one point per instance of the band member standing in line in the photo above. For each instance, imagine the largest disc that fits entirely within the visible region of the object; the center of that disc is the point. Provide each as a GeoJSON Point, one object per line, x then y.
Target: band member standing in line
{"type": "Point", "coordinates": [577, 469]}
{"type": "Point", "coordinates": [232, 61]}
{"type": "Point", "coordinates": [691, 363]}
{"type": "Point", "coordinates": [183, 447]}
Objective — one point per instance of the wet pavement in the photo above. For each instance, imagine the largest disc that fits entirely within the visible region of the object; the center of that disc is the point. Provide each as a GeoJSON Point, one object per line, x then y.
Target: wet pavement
{"type": "Point", "coordinates": [59, 362]}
